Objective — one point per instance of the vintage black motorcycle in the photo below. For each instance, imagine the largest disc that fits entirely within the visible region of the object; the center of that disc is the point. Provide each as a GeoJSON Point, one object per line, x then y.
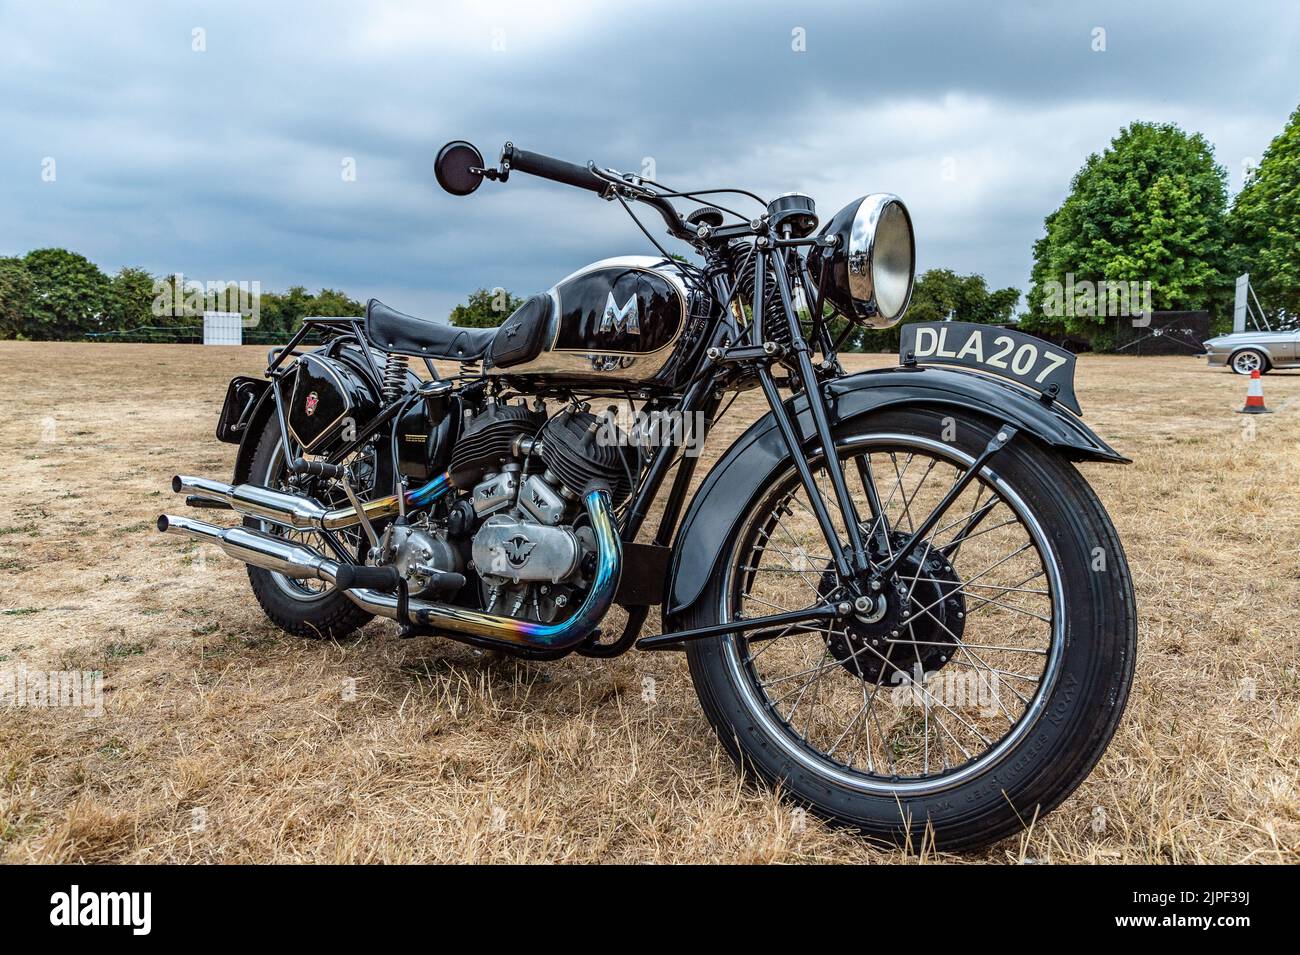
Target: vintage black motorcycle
{"type": "Point", "coordinates": [899, 600]}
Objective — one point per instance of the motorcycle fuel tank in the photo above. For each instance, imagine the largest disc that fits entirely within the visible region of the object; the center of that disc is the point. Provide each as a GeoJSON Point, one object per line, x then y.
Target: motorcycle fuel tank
{"type": "Point", "coordinates": [619, 320]}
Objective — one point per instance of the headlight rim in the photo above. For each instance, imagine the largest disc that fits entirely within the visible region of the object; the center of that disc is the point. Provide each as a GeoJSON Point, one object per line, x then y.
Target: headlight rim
{"type": "Point", "coordinates": [852, 285]}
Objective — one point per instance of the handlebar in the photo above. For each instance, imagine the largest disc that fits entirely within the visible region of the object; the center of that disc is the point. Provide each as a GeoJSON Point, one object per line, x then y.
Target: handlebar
{"type": "Point", "coordinates": [605, 183]}
{"type": "Point", "coordinates": [547, 167]}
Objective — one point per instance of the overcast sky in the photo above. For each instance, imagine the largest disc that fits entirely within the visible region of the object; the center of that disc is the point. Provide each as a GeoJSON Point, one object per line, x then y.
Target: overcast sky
{"type": "Point", "coordinates": [227, 162]}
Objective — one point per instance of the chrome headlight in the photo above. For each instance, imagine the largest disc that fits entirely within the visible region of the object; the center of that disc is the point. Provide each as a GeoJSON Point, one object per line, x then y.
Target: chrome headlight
{"type": "Point", "coordinates": [872, 265]}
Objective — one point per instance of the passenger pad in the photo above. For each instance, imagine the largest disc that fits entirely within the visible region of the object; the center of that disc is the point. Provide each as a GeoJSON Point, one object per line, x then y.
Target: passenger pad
{"type": "Point", "coordinates": [521, 336]}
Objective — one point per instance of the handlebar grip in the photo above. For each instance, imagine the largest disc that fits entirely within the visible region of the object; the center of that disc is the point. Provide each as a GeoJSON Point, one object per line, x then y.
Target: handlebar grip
{"type": "Point", "coordinates": [557, 170]}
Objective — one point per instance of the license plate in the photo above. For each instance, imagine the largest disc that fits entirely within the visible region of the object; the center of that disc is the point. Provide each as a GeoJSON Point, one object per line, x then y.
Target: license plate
{"type": "Point", "coordinates": [1028, 361]}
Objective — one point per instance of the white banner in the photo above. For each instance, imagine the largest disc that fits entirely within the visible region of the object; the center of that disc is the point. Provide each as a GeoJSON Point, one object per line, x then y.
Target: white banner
{"type": "Point", "coordinates": [223, 328]}
{"type": "Point", "coordinates": [1239, 303]}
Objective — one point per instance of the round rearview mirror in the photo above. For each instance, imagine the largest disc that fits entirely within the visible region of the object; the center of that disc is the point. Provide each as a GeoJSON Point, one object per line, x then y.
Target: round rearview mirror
{"type": "Point", "coordinates": [459, 167]}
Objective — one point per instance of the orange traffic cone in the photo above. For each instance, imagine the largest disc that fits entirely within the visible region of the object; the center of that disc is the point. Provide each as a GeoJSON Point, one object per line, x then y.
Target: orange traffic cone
{"type": "Point", "coordinates": [1255, 396]}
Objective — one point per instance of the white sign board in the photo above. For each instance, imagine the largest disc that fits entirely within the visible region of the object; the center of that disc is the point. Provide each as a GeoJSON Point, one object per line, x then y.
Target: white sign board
{"type": "Point", "coordinates": [223, 328]}
{"type": "Point", "coordinates": [1239, 303]}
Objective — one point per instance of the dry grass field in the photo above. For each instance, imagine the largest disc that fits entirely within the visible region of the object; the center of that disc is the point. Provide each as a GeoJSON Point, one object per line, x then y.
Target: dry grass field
{"type": "Point", "coordinates": [223, 740]}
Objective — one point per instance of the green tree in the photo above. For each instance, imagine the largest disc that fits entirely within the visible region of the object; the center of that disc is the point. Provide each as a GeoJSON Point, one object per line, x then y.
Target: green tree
{"type": "Point", "coordinates": [283, 312]}
{"type": "Point", "coordinates": [1265, 224]}
{"type": "Point", "coordinates": [485, 309]}
{"type": "Point", "coordinates": [15, 297]}
{"type": "Point", "coordinates": [1150, 208]}
{"type": "Point", "coordinates": [334, 304]}
{"type": "Point", "coordinates": [69, 294]}
{"type": "Point", "coordinates": [129, 303]}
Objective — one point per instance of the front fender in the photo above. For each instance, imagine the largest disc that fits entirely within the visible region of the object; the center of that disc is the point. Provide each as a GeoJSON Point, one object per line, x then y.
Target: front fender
{"type": "Point", "coordinates": [756, 456]}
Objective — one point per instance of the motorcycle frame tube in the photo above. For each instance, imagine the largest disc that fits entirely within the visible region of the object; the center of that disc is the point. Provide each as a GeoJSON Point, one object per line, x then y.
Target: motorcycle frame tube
{"type": "Point", "coordinates": [700, 396]}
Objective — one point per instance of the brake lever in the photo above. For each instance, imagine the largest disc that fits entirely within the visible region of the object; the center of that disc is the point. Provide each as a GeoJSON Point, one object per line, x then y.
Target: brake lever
{"type": "Point", "coordinates": [630, 186]}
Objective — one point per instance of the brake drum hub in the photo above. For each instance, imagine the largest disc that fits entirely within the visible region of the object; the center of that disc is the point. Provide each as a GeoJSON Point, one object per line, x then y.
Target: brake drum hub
{"type": "Point", "coordinates": [915, 620]}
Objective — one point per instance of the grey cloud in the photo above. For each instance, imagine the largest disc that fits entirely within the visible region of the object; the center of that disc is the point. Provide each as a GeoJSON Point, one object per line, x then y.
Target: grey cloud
{"type": "Point", "coordinates": [227, 163]}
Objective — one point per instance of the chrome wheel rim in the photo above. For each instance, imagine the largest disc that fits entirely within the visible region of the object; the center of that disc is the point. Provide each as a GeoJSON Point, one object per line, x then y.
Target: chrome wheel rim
{"type": "Point", "coordinates": [885, 771]}
{"type": "Point", "coordinates": [1246, 362]}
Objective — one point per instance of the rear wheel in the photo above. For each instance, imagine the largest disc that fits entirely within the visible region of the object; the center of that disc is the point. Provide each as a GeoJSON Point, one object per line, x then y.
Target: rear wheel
{"type": "Point", "coordinates": [306, 608]}
{"type": "Point", "coordinates": [982, 683]}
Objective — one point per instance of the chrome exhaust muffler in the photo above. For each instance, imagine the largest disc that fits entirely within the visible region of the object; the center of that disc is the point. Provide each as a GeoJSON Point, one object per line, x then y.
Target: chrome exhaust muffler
{"type": "Point", "coordinates": [300, 561]}
{"type": "Point", "coordinates": [288, 510]}
{"type": "Point", "coordinates": [253, 547]}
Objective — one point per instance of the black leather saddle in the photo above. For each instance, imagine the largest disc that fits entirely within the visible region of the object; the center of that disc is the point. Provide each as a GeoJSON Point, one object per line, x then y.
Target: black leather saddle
{"type": "Point", "coordinates": [404, 334]}
{"type": "Point", "coordinates": [519, 339]}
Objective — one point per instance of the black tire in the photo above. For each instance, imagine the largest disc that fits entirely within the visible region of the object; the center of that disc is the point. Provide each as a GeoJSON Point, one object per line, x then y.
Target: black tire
{"type": "Point", "coordinates": [1077, 717]}
{"type": "Point", "coordinates": [1248, 360]}
{"type": "Point", "coordinates": [327, 615]}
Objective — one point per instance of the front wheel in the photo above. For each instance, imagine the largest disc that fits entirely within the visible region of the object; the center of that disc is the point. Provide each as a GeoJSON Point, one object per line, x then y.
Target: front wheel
{"type": "Point", "coordinates": [1248, 360]}
{"type": "Point", "coordinates": [986, 676]}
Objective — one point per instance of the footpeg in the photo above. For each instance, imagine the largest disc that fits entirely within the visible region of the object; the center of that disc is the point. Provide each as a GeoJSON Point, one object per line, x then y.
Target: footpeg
{"type": "Point", "coordinates": [353, 576]}
{"type": "Point", "coordinates": [440, 581]}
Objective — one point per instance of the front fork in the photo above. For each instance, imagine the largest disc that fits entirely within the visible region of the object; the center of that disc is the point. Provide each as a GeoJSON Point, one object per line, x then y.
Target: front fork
{"type": "Point", "coordinates": [853, 563]}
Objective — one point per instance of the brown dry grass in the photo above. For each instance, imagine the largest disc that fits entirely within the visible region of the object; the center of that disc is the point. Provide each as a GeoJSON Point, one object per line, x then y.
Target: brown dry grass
{"type": "Point", "coordinates": [450, 755]}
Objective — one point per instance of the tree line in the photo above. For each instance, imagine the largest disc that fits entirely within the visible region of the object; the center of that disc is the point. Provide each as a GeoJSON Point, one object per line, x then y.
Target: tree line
{"type": "Point", "coordinates": [58, 295]}
{"type": "Point", "coordinates": [1153, 208]}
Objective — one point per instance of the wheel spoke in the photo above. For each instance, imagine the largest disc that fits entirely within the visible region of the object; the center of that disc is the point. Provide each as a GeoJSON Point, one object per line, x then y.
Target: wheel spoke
{"type": "Point", "coordinates": [968, 673]}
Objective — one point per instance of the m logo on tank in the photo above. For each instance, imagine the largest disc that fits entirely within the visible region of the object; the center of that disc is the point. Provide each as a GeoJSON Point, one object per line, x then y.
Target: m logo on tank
{"type": "Point", "coordinates": [627, 318]}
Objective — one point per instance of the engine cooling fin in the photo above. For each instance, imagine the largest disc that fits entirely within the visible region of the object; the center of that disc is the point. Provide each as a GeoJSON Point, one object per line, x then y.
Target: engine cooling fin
{"type": "Point", "coordinates": [488, 439]}
{"type": "Point", "coordinates": [577, 448]}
